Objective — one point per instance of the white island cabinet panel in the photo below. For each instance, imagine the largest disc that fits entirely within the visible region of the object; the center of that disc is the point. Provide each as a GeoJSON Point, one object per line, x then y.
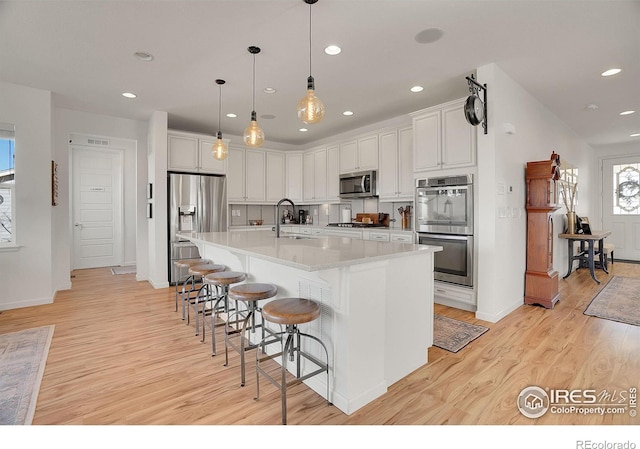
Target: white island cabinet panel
{"type": "Point", "coordinates": [364, 296]}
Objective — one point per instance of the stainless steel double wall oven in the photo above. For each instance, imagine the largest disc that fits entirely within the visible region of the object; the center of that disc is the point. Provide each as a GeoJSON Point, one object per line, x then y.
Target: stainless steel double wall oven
{"type": "Point", "coordinates": [444, 217]}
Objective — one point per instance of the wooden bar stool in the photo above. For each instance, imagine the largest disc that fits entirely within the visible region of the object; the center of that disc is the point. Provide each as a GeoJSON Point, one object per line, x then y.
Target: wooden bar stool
{"type": "Point", "coordinates": [220, 280]}
{"type": "Point", "coordinates": [183, 265]}
{"type": "Point", "coordinates": [199, 272]}
{"type": "Point", "coordinates": [292, 312]}
{"type": "Point", "coordinates": [249, 294]}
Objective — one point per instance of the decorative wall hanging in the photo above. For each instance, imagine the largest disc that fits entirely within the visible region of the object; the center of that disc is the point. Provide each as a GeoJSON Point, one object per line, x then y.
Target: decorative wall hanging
{"type": "Point", "coordinates": [475, 109]}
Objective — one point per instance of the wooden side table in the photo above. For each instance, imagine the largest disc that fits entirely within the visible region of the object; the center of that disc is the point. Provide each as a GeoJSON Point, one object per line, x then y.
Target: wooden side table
{"type": "Point", "coordinates": [587, 254]}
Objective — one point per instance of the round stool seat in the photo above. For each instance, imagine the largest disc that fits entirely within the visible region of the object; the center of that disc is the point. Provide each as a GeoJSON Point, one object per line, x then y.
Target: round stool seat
{"type": "Point", "coordinates": [204, 269]}
{"type": "Point", "coordinates": [291, 311]}
{"type": "Point", "coordinates": [225, 277]}
{"type": "Point", "coordinates": [254, 291]}
{"type": "Point", "coordinates": [187, 263]}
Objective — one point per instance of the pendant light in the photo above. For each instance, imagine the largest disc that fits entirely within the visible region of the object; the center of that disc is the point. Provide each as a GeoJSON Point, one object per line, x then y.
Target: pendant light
{"type": "Point", "coordinates": [310, 107]}
{"type": "Point", "coordinates": [253, 135]}
{"type": "Point", "coordinates": [219, 149]}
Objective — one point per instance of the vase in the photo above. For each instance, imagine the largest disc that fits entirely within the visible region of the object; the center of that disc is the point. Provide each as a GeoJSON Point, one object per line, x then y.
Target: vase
{"type": "Point", "coordinates": [571, 222]}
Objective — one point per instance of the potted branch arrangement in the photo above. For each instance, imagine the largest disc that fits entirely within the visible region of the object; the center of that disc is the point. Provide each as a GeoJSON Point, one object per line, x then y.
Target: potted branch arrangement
{"type": "Point", "coordinates": [569, 199]}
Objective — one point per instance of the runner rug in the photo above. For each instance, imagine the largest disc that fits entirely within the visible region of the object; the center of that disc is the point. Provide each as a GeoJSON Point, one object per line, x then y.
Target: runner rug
{"type": "Point", "coordinates": [453, 335]}
{"type": "Point", "coordinates": [619, 300]}
{"type": "Point", "coordinates": [23, 356]}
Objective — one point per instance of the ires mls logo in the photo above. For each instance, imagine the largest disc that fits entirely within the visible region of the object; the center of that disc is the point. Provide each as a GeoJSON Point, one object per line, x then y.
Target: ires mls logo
{"type": "Point", "coordinates": [533, 401]}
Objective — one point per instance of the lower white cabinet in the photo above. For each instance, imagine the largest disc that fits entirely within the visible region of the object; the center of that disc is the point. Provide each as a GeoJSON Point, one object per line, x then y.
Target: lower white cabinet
{"type": "Point", "coordinates": [454, 296]}
{"type": "Point", "coordinates": [401, 238]}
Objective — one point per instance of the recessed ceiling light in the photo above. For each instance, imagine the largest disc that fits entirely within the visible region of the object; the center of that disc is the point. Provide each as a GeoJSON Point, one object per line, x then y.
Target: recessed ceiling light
{"type": "Point", "coordinates": [268, 116]}
{"type": "Point", "coordinates": [591, 107]}
{"type": "Point", "coordinates": [417, 89]}
{"type": "Point", "coordinates": [634, 135]}
{"type": "Point", "coordinates": [303, 130]}
{"type": "Point", "coordinates": [129, 95]}
{"type": "Point", "coordinates": [231, 115]}
{"type": "Point", "coordinates": [269, 90]}
{"type": "Point", "coordinates": [143, 56]}
{"type": "Point", "coordinates": [347, 113]}
{"type": "Point", "coordinates": [611, 72]}
{"type": "Point", "coordinates": [333, 50]}
{"type": "Point", "coordinates": [428, 35]}
{"type": "Point", "coordinates": [627, 112]}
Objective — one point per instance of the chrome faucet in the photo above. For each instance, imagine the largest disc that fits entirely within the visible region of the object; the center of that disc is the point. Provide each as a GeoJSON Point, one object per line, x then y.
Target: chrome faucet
{"type": "Point", "coordinates": [293, 206]}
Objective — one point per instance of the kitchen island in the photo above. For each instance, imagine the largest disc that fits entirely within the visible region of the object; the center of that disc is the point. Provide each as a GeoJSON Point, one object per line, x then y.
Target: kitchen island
{"type": "Point", "coordinates": [376, 300]}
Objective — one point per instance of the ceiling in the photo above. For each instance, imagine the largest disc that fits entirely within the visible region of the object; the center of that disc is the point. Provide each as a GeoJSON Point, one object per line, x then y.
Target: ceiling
{"type": "Point", "coordinates": [83, 52]}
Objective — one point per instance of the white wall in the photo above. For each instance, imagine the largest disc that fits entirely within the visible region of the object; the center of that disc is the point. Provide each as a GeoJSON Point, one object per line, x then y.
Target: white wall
{"type": "Point", "coordinates": [502, 160]}
{"type": "Point", "coordinates": [157, 226]}
{"type": "Point", "coordinates": [67, 122]}
{"type": "Point", "coordinates": [30, 110]}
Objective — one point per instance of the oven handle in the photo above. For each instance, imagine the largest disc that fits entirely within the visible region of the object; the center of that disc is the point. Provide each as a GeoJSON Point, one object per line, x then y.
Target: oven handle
{"type": "Point", "coordinates": [443, 236]}
{"type": "Point", "coordinates": [362, 183]}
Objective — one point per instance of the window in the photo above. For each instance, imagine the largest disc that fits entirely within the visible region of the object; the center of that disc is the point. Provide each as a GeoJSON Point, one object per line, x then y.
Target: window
{"type": "Point", "coordinates": [7, 184]}
{"type": "Point", "coordinates": [626, 189]}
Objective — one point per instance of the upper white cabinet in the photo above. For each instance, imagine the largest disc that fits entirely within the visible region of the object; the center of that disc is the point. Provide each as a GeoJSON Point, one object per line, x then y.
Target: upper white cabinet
{"type": "Point", "coordinates": [395, 175]}
{"type": "Point", "coordinates": [315, 176]}
{"type": "Point", "coordinates": [294, 176]}
{"type": "Point", "coordinates": [333, 173]}
{"type": "Point", "coordinates": [442, 138]}
{"type": "Point", "coordinates": [246, 177]}
{"type": "Point", "coordinates": [320, 175]}
{"type": "Point", "coordinates": [275, 176]}
{"type": "Point", "coordinates": [359, 155]}
{"type": "Point", "coordinates": [192, 153]}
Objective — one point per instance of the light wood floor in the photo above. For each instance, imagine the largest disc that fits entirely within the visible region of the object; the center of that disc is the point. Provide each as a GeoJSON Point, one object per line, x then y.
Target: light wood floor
{"type": "Point", "coordinates": [121, 355]}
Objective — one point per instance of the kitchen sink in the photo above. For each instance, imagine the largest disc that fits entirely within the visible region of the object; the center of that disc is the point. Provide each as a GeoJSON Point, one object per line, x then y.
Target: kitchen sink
{"type": "Point", "coordinates": [298, 237]}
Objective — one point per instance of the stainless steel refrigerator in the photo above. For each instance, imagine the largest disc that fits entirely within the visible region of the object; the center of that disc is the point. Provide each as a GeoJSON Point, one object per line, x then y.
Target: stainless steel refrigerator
{"type": "Point", "coordinates": [196, 203]}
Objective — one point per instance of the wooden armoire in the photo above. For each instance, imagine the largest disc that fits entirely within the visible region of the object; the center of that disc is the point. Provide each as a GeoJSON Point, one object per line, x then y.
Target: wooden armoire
{"type": "Point", "coordinates": [541, 280]}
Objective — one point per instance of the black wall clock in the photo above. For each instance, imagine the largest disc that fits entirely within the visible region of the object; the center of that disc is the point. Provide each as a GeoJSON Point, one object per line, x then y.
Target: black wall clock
{"type": "Point", "coordinates": [474, 110]}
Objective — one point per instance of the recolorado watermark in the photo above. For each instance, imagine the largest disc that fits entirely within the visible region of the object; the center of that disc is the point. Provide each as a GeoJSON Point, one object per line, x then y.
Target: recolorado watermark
{"type": "Point", "coordinates": [588, 444]}
{"type": "Point", "coordinates": [534, 402]}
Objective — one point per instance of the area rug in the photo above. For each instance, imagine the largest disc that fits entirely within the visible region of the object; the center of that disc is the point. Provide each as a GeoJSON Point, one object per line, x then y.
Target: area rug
{"type": "Point", "coordinates": [453, 335]}
{"type": "Point", "coordinates": [23, 356]}
{"type": "Point", "coordinates": [129, 269]}
{"type": "Point", "coordinates": [619, 300]}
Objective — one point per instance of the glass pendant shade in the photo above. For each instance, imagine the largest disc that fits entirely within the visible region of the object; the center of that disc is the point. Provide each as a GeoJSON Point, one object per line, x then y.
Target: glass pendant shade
{"type": "Point", "coordinates": [310, 107]}
{"type": "Point", "coordinates": [219, 149]}
{"type": "Point", "coordinates": [253, 134]}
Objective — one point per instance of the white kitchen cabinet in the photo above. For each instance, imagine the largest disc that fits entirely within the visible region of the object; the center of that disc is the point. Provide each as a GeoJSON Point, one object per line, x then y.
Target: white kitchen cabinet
{"type": "Point", "coordinates": [315, 178]}
{"type": "Point", "coordinates": [401, 238]}
{"type": "Point", "coordinates": [442, 138]}
{"type": "Point", "coordinates": [192, 153]}
{"type": "Point", "coordinates": [333, 174]}
{"type": "Point", "coordinates": [246, 175]}
{"type": "Point", "coordinates": [275, 176]}
{"type": "Point", "coordinates": [294, 173]}
{"type": "Point", "coordinates": [359, 155]}
{"type": "Point", "coordinates": [455, 296]}
{"type": "Point", "coordinates": [378, 236]}
{"type": "Point", "coordinates": [208, 163]}
{"type": "Point", "coordinates": [395, 175]}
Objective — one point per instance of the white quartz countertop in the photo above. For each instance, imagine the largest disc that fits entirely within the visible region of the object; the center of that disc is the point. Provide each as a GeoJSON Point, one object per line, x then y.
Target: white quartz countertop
{"type": "Point", "coordinates": [307, 253]}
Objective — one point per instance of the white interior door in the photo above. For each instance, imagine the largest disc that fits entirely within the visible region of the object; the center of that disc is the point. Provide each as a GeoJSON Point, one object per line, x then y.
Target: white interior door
{"type": "Point", "coordinates": [621, 205]}
{"type": "Point", "coordinates": [97, 207]}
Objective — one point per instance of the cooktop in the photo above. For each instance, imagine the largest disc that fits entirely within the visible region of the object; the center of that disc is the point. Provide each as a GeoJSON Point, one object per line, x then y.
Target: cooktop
{"type": "Point", "coordinates": [356, 224]}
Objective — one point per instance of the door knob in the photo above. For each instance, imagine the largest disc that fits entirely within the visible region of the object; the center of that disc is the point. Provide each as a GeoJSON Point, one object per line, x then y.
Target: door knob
{"type": "Point", "coordinates": [78, 225]}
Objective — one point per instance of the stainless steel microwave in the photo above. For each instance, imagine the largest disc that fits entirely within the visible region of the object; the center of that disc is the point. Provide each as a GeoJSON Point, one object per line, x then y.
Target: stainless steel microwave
{"type": "Point", "coordinates": [359, 185]}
